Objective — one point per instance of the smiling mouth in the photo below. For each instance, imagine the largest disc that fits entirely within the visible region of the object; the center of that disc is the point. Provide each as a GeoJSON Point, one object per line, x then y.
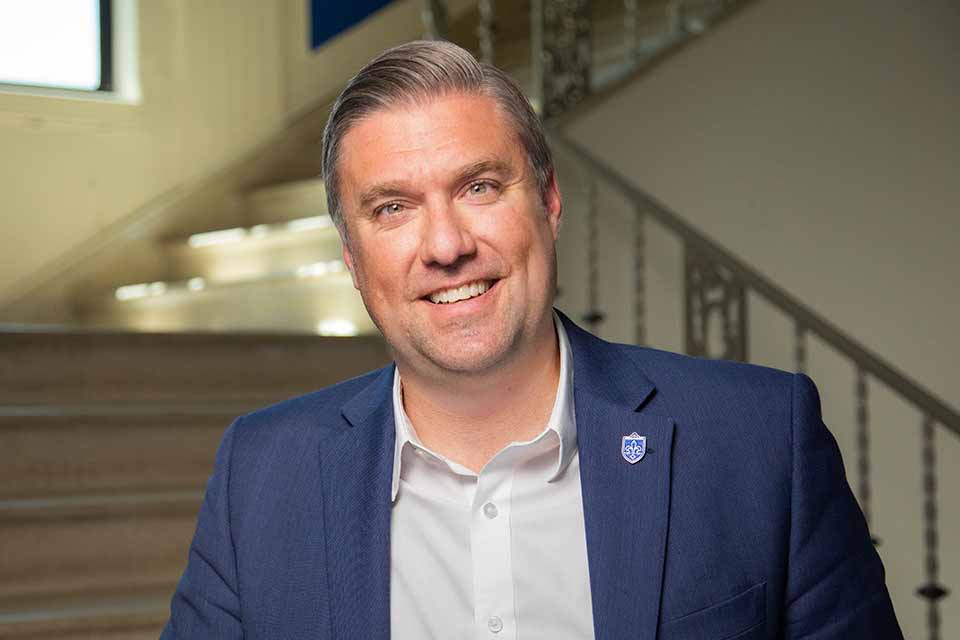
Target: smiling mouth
{"type": "Point", "coordinates": [459, 294]}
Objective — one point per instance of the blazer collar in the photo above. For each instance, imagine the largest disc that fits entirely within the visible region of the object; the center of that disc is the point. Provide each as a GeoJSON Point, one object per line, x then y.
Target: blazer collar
{"type": "Point", "coordinates": [625, 506]}
{"type": "Point", "coordinates": [355, 469]}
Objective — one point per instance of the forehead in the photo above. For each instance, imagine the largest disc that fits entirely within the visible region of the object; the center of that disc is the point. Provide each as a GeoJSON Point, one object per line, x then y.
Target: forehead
{"type": "Point", "coordinates": [424, 140]}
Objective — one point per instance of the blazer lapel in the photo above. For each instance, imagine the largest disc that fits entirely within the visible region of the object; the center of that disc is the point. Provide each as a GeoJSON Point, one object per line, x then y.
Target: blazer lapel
{"type": "Point", "coordinates": [625, 506]}
{"type": "Point", "coordinates": [356, 470]}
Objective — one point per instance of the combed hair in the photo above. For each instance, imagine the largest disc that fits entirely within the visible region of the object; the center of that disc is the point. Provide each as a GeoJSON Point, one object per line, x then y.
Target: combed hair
{"type": "Point", "coordinates": [416, 72]}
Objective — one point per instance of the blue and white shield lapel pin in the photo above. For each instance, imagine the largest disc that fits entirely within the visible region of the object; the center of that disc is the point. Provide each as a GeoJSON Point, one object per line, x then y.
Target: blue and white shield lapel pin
{"type": "Point", "coordinates": [634, 447]}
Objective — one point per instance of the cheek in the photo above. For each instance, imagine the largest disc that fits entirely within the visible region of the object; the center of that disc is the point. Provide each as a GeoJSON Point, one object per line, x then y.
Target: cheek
{"type": "Point", "coordinates": [379, 269]}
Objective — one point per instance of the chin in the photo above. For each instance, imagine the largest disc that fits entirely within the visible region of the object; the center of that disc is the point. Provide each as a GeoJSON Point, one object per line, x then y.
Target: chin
{"type": "Point", "coordinates": [460, 358]}
{"type": "Point", "coordinates": [471, 362]}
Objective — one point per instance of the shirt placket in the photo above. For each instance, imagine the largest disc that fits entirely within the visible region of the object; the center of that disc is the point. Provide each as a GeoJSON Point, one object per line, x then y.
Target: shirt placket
{"type": "Point", "coordinates": [494, 594]}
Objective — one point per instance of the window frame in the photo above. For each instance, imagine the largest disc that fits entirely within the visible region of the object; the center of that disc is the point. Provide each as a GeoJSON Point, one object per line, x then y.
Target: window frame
{"type": "Point", "coordinates": [106, 86]}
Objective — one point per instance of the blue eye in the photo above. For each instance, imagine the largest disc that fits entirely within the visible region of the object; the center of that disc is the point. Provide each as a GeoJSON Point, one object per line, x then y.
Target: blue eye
{"type": "Point", "coordinates": [482, 190]}
{"type": "Point", "coordinates": [391, 208]}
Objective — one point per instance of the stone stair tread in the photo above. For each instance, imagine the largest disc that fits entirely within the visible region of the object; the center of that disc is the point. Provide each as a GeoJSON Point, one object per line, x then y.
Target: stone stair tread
{"type": "Point", "coordinates": [70, 451]}
{"type": "Point", "coordinates": [268, 250]}
{"type": "Point", "coordinates": [11, 413]}
{"type": "Point", "coordinates": [296, 229]}
{"type": "Point", "coordinates": [333, 269]}
{"type": "Point", "coordinates": [173, 502]}
{"type": "Point", "coordinates": [105, 367]}
{"type": "Point", "coordinates": [317, 298]}
{"type": "Point", "coordinates": [282, 201]}
{"type": "Point", "coordinates": [143, 610]}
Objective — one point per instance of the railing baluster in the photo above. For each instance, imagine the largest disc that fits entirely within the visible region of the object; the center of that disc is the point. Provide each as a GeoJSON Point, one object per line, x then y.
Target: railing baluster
{"type": "Point", "coordinates": [538, 57]}
{"type": "Point", "coordinates": [715, 283]}
{"type": "Point", "coordinates": [676, 17]}
{"type": "Point", "coordinates": [486, 30]}
{"type": "Point", "coordinates": [800, 347]}
{"type": "Point", "coordinates": [932, 591]}
{"type": "Point", "coordinates": [593, 316]}
{"type": "Point", "coordinates": [863, 449]}
{"type": "Point", "coordinates": [631, 31]}
{"type": "Point", "coordinates": [639, 276]}
{"type": "Point", "coordinates": [434, 16]}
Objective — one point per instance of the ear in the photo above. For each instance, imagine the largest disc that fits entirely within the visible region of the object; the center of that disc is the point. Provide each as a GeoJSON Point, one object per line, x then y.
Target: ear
{"type": "Point", "coordinates": [553, 205]}
{"type": "Point", "coordinates": [348, 260]}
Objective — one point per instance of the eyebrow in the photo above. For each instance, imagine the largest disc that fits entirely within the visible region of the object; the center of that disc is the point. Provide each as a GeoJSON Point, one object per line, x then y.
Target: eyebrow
{"type": "Point", "coordinates": [395, 189]}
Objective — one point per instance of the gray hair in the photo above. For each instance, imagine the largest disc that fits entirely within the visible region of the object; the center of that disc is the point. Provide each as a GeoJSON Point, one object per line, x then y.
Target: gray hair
{"type": "Point", "coordinates": [418, 71]}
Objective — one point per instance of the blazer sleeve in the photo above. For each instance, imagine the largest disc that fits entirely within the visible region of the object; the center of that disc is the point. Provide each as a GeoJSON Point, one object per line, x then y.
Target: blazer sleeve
{"type": "Point", "coordinates": [835, 583]}
{"type": "Point", "coordinates": [206, 604]}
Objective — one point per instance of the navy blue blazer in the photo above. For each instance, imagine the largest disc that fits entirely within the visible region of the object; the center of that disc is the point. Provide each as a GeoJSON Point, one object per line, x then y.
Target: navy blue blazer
{"type": "Point", "coordinates": [738, 523]}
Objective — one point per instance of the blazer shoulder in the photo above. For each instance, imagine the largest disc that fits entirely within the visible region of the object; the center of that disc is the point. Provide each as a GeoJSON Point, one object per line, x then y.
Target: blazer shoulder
{"type": "Point", "coordinates": [315, 415]}
{"type": "Point", "coordinates": [667, 368]}
{"type": "Point", "coordinates": [719, 392]}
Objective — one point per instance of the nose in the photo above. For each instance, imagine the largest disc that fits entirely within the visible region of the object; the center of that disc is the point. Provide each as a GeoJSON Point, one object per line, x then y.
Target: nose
{"type": "Point", "coordinates": [446, 238]}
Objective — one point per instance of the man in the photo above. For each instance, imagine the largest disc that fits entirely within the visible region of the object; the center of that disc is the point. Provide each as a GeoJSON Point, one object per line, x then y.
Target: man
{"type": "Point", "coordinates": [513, 476]}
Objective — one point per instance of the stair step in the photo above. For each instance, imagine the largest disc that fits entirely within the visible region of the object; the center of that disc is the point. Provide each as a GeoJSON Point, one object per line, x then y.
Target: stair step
{"type": "Point", "coordinates": [134, 615]}
{"type": "Point", "coordinates": [94, 543]}
{"type": "Point", "coordinates": [316, 298]}
{"type": "Point", "coordinates": [230, 255]}
{"type": "Point", "coordinates": [289, 200]}
{"type": "Point", "coordinates": [57, 451]}
{"type": "Point", "coordinates": [127, 368]}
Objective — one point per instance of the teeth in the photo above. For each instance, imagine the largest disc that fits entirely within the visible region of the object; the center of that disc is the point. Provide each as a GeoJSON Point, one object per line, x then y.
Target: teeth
{"type": "Point", "coordinates": [465, 292]}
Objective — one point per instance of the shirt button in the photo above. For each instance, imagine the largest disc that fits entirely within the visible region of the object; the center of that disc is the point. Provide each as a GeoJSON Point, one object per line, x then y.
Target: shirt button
{"type": "Point", "coordinates": [495, 624]}
{"type": "Point", "coordinates": [490, 510]}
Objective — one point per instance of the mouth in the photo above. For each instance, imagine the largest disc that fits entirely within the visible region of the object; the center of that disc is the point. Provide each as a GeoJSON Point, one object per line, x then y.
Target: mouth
{"type": "Point", "coordinates": [461, 293]}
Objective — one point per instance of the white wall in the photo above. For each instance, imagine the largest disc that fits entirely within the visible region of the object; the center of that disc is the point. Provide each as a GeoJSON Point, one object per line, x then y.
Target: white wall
{"type": "Point", "coordinates": [820, 142]}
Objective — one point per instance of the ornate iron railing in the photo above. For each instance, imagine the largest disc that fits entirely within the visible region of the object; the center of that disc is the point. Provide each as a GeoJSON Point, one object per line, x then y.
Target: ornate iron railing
{"type": "Point", "coordinates": [717, 284]}
{"type": "Point", "coordinates": [716, 288]}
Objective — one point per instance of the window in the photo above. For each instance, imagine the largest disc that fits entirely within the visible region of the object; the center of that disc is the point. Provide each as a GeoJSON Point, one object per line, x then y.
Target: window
{"type": "Point", "coordinates": [65, 44]}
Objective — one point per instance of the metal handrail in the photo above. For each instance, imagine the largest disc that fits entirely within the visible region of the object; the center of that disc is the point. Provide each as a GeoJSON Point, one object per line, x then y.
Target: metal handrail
{"type": "Point", "coordinates": [805, 317]}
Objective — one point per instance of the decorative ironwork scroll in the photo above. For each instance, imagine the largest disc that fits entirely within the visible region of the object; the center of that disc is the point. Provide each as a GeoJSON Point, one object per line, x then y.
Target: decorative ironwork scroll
{"type": "Point", "coordinates": [562, 54]}
{"type": "Point", "coordinates": [716, 309]}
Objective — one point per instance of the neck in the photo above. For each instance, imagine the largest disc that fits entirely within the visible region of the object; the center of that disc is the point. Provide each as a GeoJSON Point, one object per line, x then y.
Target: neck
{"type": "Point", "coordinates": [469, 418]}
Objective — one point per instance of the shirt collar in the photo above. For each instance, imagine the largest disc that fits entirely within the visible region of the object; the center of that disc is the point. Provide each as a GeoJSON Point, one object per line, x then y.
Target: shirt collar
{"type": "Point", "coordinates": [562, 417]}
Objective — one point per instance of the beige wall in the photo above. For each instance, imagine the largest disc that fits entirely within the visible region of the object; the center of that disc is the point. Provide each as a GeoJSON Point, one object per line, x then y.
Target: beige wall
{"type": "Point", "coordinates": [218, 79]}
{"type": "Point", "coordinates": [819, 141]}
{"type": "Point", "coordinates": [70, 168]}
{"type": "Point", "coordinates": [313, 75]}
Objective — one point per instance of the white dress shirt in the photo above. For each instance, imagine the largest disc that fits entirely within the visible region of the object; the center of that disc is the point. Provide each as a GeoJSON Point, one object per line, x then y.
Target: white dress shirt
{"type": "Point", "coordinates": [497, 555]}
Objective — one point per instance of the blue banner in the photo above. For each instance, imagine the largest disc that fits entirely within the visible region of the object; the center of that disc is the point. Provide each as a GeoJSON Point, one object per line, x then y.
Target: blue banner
{"type": "Point", "coordinates": [330, 17]}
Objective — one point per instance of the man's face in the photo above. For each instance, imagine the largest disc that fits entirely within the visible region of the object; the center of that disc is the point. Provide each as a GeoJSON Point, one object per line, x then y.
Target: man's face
{"type": "Point", "coordinates": [450, 243]}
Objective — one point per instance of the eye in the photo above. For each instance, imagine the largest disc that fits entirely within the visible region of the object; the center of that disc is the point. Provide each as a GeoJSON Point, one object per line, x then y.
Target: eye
{"type": "Point", "coordinates": [482, 191]}
{"type": "Point", "coordinates": [389, 209]}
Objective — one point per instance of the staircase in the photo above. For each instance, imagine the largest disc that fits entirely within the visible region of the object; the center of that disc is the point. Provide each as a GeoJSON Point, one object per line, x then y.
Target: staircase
{"type": "Point", "coordinates": [108, 439]}
{"type": "Point", "coordinates": [107, 434]}
{"type": "Point", "coordinates": [284, 273]}
{"type": "Point", "coordinates": [279, 267]}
